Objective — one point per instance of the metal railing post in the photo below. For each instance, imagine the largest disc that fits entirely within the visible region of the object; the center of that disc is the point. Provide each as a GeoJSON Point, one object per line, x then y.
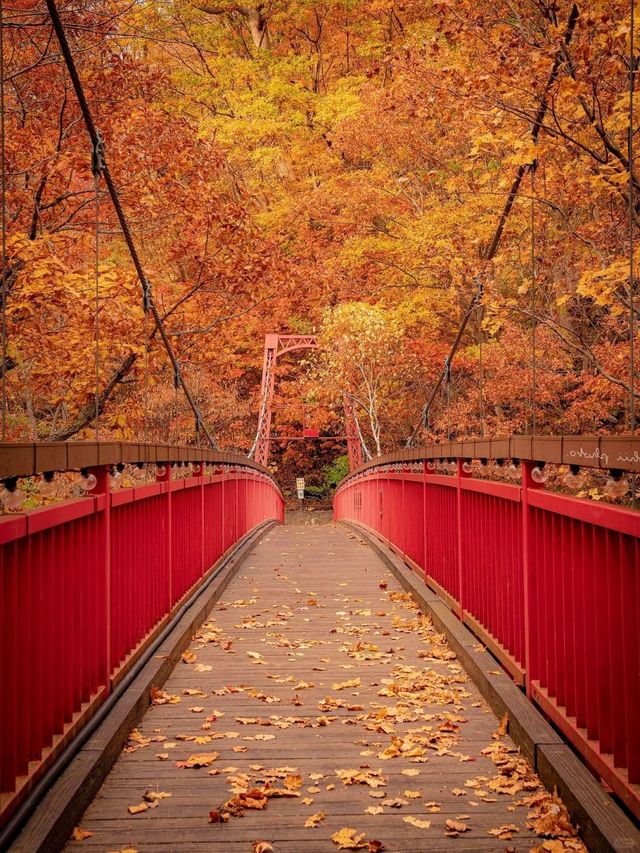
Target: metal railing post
{"type": "Point", "coordinates": [102, 494]}
{"type": "Point", "coordinates": [460, 475]}
{"type": "Point", "coordinates": [166, 478]}
{"type": "Point", "coordinates": [530, 662]}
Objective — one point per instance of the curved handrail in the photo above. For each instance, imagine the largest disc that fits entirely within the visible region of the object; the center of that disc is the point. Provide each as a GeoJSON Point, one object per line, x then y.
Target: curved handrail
{"type": "Point", "coordinates": [605, 453]}
{"type": "Point", "coordinates": [26, 459]}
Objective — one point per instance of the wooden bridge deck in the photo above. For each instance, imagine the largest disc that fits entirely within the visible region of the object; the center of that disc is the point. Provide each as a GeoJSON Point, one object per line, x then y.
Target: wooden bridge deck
{"type": "Point", "coordinates": [318, 678]}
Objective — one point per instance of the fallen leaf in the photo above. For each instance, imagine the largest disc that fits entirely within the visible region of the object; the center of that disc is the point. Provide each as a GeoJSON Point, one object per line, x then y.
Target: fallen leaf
{"type": "Point", "coordinates": [455, 827]}
{"type": "Point", "coordinates": [200, 759]}
{"type": "Point", "coordinates": [504, 832]}
{"type": "Point", "coordinates": [314, 820]}
{"type": "Point", "coordinates": [141, 807]}
{"type": "Point", "coordinates": [155, 796]}
{"type": "Point", "coordinates": [414, 821]}
{"type": "Point", "coordinates": [374, 810]}
{"type": "Point", "coordinates": [80, 834]}
{"type": "Point", "coordinates": [502, 728]}
{"type": "Point", "coordinates": [262, 847]}
{"type": "Point", "coordinates": [346, 839]}
{"type": "Point", "coordinates": [188, 656]}
{"type": "Point", "coordinates": [343, 685]}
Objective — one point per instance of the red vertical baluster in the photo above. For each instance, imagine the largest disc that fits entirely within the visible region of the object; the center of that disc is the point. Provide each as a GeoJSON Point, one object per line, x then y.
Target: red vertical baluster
{"type": "Point", "coordinates": [9, 699]}
{"type": "Point", "coordinates": [631, 646]}
{"type": "Point", "coordinates": [25, 656]}
{"type": "Point", "coordinates": [39, 640]}
{"type": "Point", "coordinates": [462, 546]}
{"type": "Point", "coordinates": [615, 643]}
{"type": "Point", "coordinates": [102, 587]}
{"type": "Point", "coordinates": [530, 551]}
{"type": "Point", "coordinates": [166, 527]}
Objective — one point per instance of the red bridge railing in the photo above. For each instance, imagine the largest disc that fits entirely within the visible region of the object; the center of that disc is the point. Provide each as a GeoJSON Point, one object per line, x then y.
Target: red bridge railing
{"type": "Point", "coordinates": [550, 583]}
{"type": "Point", "coordinates": [87, 584]}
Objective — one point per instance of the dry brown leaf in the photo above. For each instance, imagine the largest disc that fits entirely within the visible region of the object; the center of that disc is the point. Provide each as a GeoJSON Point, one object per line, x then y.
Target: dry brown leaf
{"type": "Point", "coordinates": [374, 810]}
{"type": "Point", "coordinates": [413, 795]}
{"type": "Point", "coordinates": [262, 847]}
{"type": "Point", "coordinates": [141, 807]}
{"type": "Point", "coordinates": [188, 656]}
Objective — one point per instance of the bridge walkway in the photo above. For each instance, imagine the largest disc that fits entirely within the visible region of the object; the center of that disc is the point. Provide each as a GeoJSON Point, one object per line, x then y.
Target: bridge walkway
{"type": "Point", "coordinates": [317, 701]}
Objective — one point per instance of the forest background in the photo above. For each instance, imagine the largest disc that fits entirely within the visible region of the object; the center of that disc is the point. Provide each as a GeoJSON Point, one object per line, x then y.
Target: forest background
{"type": "Point", "coordinates": [336, 168]}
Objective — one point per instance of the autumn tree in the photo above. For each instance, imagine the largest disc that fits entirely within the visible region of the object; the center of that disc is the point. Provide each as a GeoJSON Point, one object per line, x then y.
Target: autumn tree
{"type": "Point", "coordinates": [362, 358]}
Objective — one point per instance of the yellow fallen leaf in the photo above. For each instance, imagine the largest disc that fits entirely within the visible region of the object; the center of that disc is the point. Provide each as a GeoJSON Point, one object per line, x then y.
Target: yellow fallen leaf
{"type": "Point", "coordinates": [374, 810]}
{"type": "Point", "coordinates": [188, 656]}
{"type": "Point", "coordinates": [410, 772]}
{"type": "Point", "coordinates": [414, 821]}
{"type": "Point", "coordinates": [155, 796]}
{"type": "Point", "coordinates": [200, 759]}
{"type": "Point", "coordinates": [314, 820]}
{"type": "Point", "coordinates": [293, 781]}
{"type": "Point", "coordinates": [80, 834]}
{"type": "Point", "coordinates": [456, 826]}
{"type": "Point", "coordinates": [141, 807]}
{"type": "Point", "coordinates": [346, 839]}
{"type": "Point", "coordinates": [502, 728]}
{"type": "Point", "coordinates": [343, 685]}
{"type": "Point", "coordinates": [413, 795]}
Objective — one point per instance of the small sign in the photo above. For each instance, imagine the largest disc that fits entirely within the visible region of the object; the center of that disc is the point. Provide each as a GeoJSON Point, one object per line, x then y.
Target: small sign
{"type": "Point", "coordinates": [300, 487]}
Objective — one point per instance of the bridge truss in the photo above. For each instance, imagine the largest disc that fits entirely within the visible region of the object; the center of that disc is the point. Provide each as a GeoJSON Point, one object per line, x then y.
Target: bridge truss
{"type": "Point", "coordinates": [276, 345]}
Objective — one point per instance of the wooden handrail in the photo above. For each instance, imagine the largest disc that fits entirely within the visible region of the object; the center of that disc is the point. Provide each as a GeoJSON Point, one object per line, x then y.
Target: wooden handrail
{"type": "Point", "coordinates": [24, 459]}
{"type": "Point", "coordinates": [603, 452]}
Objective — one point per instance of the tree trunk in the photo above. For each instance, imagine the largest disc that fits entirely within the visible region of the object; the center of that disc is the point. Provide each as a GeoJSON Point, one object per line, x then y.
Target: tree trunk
{"type": "Point", "coordinates": [253, 15]}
